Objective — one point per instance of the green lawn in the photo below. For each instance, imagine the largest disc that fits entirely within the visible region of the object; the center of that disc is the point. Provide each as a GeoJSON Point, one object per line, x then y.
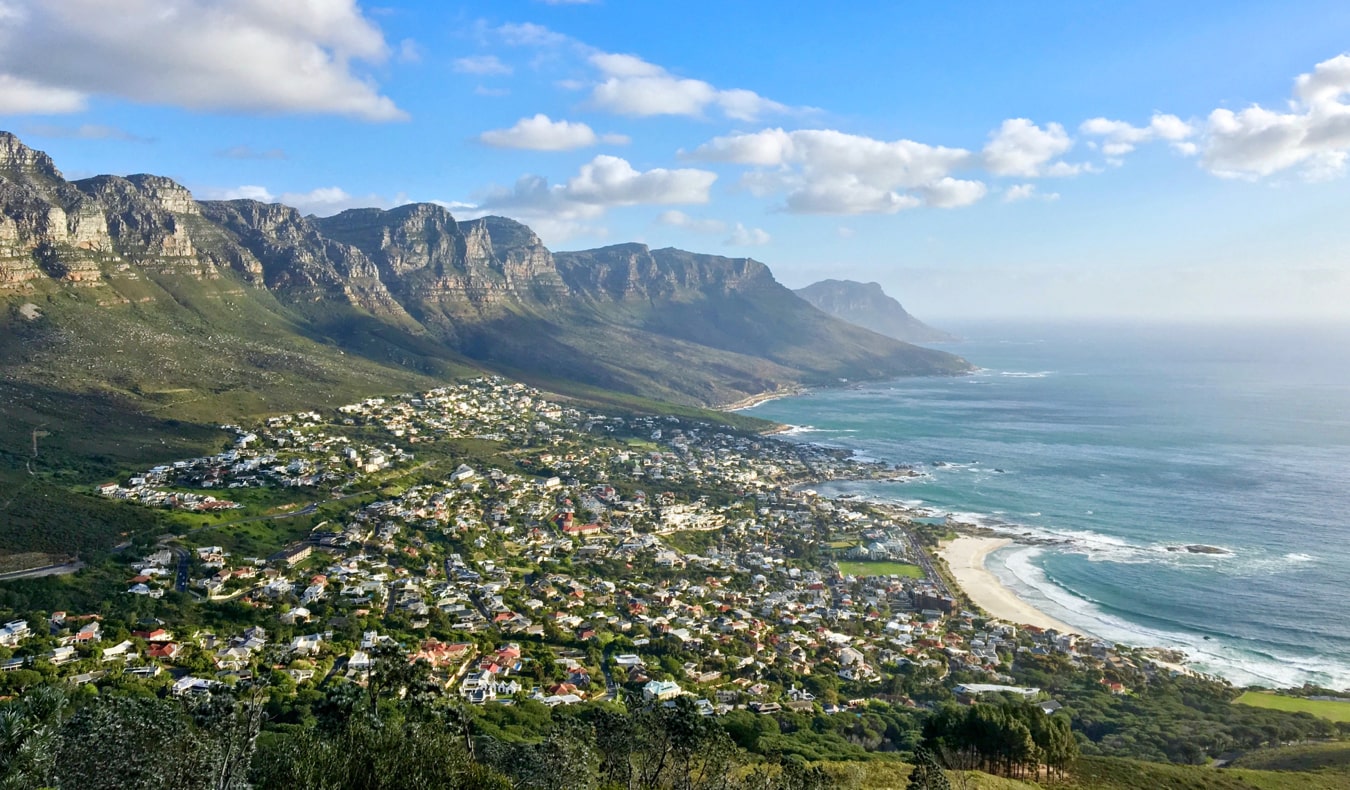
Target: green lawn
{"type": "Point", "coordinates": [1331, 710]}
{"type": "Point", "coordinates": [881, 569]}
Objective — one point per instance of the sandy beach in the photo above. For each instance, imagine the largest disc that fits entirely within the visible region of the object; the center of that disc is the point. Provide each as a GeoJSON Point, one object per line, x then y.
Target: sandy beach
{"type": "Point", "coordinates": [965, 557]}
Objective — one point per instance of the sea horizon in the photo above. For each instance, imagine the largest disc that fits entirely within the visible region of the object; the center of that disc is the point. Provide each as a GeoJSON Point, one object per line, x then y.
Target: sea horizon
{"type": "Point", "coordinates": [1107, 447]}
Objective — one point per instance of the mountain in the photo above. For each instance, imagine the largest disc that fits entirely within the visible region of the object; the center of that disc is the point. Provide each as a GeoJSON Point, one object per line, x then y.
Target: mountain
{"type": "Point", "coordinates": [127, 292]}
{"type": "Point", "coordinates": [866, 305]}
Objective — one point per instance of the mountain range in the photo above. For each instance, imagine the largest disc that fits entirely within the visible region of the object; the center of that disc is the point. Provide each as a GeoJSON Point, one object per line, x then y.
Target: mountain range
{"type": "Point", "coordinates": [868, 306]}
{"type": "Point", "coordinates": [128, 292]}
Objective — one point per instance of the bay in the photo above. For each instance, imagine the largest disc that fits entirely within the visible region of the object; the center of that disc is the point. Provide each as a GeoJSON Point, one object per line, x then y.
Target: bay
{"type": "Point", "coordinates": [1122, 444]}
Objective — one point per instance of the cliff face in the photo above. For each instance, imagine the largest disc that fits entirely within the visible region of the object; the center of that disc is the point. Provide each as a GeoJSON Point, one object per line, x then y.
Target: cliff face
{"type": "Point", "coordinates": [436, 263]}
{"type": "Point", "coordinates": [412, 283]}
{"type": "Point", "coordinates": [867, 305]}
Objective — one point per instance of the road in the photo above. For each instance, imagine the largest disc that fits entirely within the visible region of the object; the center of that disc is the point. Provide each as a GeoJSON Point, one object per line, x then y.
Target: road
{"type": "Point", "coordinates": [926, 562]}
{"type": "Point", "coordinates": [180, 579]}
{"type": "Point", "coordinates": [46, 570]}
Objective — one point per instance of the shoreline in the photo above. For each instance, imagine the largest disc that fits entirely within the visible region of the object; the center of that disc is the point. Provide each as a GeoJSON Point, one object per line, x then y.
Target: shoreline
{"type": "Point", "coordinates": [754, 400]}
{"type": "Point", "coordinates": [965, 557]}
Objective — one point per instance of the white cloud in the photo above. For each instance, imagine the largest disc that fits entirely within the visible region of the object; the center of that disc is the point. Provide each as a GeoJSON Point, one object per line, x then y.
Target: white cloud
{"type": "Point", "coordinates": [629, 85]}
{"type": "Point", "coordinates": [528, 34]}
{"type": "Point", "coordinates": [742, 236]}
{"type": "Point", "coordinates": [951, 192]}
{"type": "Point", "coordinates": [540, 133]}
{"type": "Point", "coordinates": [483, 65]}
{"type": "Point", "coordinates": [21, 96]}
{"type": "Point", "coordinates": [1120, 138]}
{"type": "Point", "coordinates": [824, 171]}
{"type": "Point", "coordinates": [847, 195]}
{"type": "Point", "coordinates": [618, 65]}
{"type": "Point", "coordinates": [1314, 135]}
{"type": "Point", "coordinates": [632, 86]}
{"type": "Point", "coordinates": [609, 180]}
{"type": "Point", "coordinates": [249, 55]}
{"type": "Point", "coordinates": [678, 219]}
{"type": "Point", "coordinates": [244, 192]}
{"type": "Point", "coordinates": [1019, 192]}
{"type": "Point", "coordinates": [323, 201]}
{"type": "Point", "coordinates": [1021, 148]}
{"type": "Point", "coordinates": [602, 183]}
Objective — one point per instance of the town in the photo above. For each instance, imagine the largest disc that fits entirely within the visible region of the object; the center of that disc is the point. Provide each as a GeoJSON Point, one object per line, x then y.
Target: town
{"type": "Point", "coordinates": [527, 549]}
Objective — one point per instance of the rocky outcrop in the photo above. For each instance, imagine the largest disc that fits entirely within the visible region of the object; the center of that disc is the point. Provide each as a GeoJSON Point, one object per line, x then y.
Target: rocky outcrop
{"type": "Point", "coordinates": [300, 263]}
{"type": "Point", "coordinates": [867, 305]}
{"type": "Point", "coordinates": [429, 259]}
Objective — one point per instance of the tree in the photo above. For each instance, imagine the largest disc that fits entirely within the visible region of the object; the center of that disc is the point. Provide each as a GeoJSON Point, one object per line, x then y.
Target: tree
{"type": "Point", "coordinates": [28, 737]}
{"type": "Point", "coordinates": [927, 774]}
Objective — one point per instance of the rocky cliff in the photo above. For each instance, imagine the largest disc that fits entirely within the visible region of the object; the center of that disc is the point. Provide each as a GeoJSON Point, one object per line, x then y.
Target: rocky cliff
{"type": "Point", "coordinates": [867, 305]}
{"type": "Point", "coordinates": [410, 287]}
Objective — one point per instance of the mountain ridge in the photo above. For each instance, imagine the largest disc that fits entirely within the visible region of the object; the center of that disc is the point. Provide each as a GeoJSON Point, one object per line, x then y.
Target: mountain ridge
{"type": "Point", "coordinates": [868, 306]}
{"type": "Point", "coordinates": [128, 285]}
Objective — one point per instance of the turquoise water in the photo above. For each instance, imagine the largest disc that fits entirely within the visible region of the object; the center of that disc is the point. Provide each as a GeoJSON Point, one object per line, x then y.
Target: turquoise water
{"type": "Point", "coordinates": [1118, 442]}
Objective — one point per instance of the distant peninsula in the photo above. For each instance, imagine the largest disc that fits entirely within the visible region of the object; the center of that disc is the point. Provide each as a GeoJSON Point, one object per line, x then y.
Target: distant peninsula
{"type": "Point", "coordinates": [868, 306]}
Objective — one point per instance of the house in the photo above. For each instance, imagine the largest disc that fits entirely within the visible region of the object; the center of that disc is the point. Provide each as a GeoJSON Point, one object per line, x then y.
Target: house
{"type": "Point", "coordinates": [192, 685]}
{"type": "Point", "coordinates": [166, 651]}
{"type": "Point", "coordinates": [308, 644]}
{"type": "Point", "coordinates": [120, 651]}
{"type": "Point", "coordinates": [14, 632]}
{"type": "Point", "coordinates": [661, 690]}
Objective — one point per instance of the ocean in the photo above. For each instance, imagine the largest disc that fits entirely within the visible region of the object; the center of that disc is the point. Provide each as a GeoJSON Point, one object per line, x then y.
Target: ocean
{"type": "Point", "coordinates": [1117, 446]}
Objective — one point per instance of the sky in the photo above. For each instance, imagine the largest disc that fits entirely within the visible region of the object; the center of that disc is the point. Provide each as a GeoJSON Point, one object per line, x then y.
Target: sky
{"type": "Point", "coordinates": [1161, 160]}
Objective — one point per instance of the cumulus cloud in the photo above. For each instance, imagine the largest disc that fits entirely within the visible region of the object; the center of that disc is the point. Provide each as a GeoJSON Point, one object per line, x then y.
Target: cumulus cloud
{"type": "Point", "coordinates": [1019, 192]}
{"type": "Point", "coordinates": [632, 86]}
{"type": "Point", "coordinates": [1120, 138]}
{"type": "Point", "coordinates": [244, 192]}
{"type": "Point", "coordinates": [951, 192]}
{"type": "Point", "coordinates": [482, 65]}
{"type": "Point", "coordinates": [824, 171]}
{"type": "Point", "coordinates": [248, 55]}
{"type": "Point", "coordinates": [847, 195]}
{"type": "Point", "coordinates": [678, 219]}
{"type": "Point", "coordinates": [323, 201]}
{"type": "Point", "coordinates": [603, 183]}
{"type": "Point", "coordinates": [742, 236]}
{"type": "Point", "coordinates": [1021, 148]}
{"type": "Point", "coordinates": [1313, 135]}
{"type": "Point", "coordinates": [22, 96]}
{"type": "Point", "coordinates": [626, 84]}
{"type": "Point", "coordinates": [540, 133]}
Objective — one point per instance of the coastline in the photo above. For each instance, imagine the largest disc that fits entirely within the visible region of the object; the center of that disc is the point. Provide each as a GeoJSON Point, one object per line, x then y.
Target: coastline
{"type": "Point", "coordinates": [965, 558]}
{"type": "Point", "coordinates": [755, 400]}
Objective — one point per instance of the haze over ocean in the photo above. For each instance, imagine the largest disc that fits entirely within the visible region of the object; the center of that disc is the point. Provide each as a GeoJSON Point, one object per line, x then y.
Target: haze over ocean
{"type": "Point", "coordinates": [1120, 441]}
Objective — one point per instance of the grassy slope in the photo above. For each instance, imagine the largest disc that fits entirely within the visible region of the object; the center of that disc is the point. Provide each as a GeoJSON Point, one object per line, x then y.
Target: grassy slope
{"type": "Point", "coordinates": [1331, 758]}
{"type": "Point", "coordinates": [1327, 709]}
{"type": "Point", "coordinates": [1120, 774]}
{"type": "Point", "coordinates": [1104, 773]}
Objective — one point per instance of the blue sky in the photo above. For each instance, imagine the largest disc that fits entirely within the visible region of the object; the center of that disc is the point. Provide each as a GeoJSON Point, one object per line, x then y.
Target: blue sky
{"type": "Point", "coordinates": [1163, 160]}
